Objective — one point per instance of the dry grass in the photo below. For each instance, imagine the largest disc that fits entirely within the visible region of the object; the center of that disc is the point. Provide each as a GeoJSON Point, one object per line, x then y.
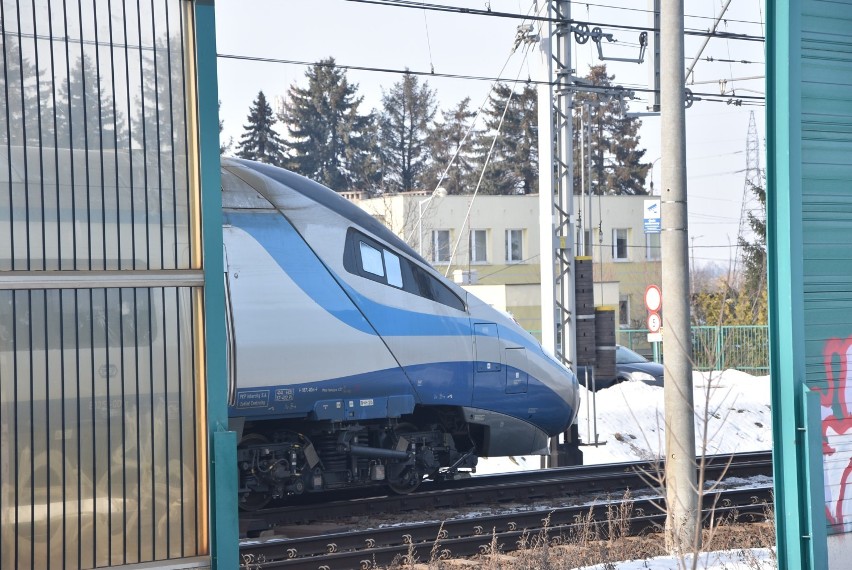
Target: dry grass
{"type": "Point", "coordinates": [605, 544]}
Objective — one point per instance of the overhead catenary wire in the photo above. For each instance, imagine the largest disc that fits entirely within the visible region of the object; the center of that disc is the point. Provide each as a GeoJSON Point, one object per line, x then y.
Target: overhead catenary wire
{"type": "Point", "coordinates": [713, 97]}
{"type": "Point", "coordinates": [647, 11]}
{"type": "Point", "coordinates": [514, 15]}
{"type": "Point", "coordinates": [470, 128]}
{"type": "Point", "coordinates": [428, 42]}
{"type": "Point", "coordinates": [482, 173]}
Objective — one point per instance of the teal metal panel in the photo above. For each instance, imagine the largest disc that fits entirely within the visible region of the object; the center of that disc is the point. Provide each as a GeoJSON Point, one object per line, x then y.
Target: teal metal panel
{"type": "Point", "coordinates": [224, 533]}
{"type": "Point", "coordinates": [809, 110]}
{"type": "Point", "coordinates": [784, 253]}
{"type": "Point", "coordinates": [826, 143]}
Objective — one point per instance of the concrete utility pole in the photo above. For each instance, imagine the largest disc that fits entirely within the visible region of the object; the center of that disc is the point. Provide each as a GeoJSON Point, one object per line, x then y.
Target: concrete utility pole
{"type": "Point", "coordinates": [683, 529]}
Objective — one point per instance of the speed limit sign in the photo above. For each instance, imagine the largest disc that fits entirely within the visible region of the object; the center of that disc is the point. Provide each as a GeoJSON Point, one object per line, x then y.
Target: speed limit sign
{"type": "Point", "coordinates": [654, 322]}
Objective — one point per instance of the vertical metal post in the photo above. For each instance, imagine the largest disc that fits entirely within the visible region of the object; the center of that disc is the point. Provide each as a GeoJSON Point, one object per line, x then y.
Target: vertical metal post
{"type": "Point", "coordinates": [720, 347]}
{"type": "Point", "coordinates": [654, 7]}
{"type": "Point", "coordinates": [222, 491]}
{"type": "Point", "coordinates": [800, 520]}
{"type": "Point", "coordinates": [556, 191]}
{"type": "Point", "coordinates": [682, 523]}
{"type": "Point", "coordinates": [546, 187]}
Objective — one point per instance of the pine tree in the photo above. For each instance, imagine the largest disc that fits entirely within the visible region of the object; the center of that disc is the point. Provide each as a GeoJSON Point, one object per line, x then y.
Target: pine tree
{"type": "Point", "coordinates": [27, 94]}
{"type": "Point", "coordinates": [617, 166]}
{"type": "Point", "coordinates": [754, 259]}
{"type": "Point", "coordinates": [408, 110]}
{"type": "Point", "coordinates": [329, 140]}
{"type": "Point", "coordinates": [513, 166]}
{"type": "Point", "coordinates": [156, 123]}
{"type": "Point", "coordinates": [260, 141]}
{"type": "Point", "coordinates": [445, 142]}
{"type": "Point", "coordinates": [86, 111]}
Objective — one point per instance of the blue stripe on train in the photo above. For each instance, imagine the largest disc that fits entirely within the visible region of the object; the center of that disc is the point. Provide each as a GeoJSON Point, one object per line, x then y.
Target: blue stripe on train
{"type": "Point", "coordinates": [387, 393]}
{"type": "Point", "coordinates": [278, 237]}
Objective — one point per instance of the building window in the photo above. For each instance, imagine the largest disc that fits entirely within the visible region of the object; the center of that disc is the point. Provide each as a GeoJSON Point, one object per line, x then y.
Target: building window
{"type": "Point", "coordinates": [624, 311]}
{"type": "Point", "coordinates": [478, 246]}
{"type": "Point", "coordinates": [587, 243]}
{"type": "Point", "coordinates": [440, 246]}
{"type": "Point", "coordinates": [514, 245]}
{"type": "Point", "coordinates": [619, 243]}
{"type": "Point", "coordinates": [652, 247]}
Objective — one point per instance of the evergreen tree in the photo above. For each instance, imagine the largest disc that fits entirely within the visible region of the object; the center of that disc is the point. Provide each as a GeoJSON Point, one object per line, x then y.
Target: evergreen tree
{"type": "Point", "coordinates": [513, 167]}
{"type": "Point", "coordinates": [260, 141]}
{"type": "Point", "coordinates": [408, 110]}
{"type": "Point", "coordinates": [617, 166]}
{"type": "Point", "coordinates": [445, 142]}
{"type": "Point", "coordinates": [754, 258]}
{"type": "Point", "coordinates": [329, 140]}
{"type": "Point", "coordinates": [158, 112]}
{"type": "Point", "coordinates": [86, 111]}
{"type": "Point", "coordinates": [27, 97]}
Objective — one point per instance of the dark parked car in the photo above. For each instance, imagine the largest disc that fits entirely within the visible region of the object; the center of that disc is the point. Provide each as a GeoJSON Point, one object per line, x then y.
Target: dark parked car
{"type": "Point", "coordinates": [630, 366]}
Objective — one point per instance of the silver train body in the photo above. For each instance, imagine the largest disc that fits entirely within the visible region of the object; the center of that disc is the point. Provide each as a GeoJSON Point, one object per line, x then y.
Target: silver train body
{"type": "Point", "coordinates": [353, 362]}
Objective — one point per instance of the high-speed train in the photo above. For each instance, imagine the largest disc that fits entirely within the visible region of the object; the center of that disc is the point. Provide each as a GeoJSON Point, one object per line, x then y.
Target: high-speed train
{"type": "Point", "coordinates": [353, 362]}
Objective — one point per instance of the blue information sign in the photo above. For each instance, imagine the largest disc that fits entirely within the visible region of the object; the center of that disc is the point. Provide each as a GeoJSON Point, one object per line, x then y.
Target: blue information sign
{"type": "Point", "coordinates": [651, 216]}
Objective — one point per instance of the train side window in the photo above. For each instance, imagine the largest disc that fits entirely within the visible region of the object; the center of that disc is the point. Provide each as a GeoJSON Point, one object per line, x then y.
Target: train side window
{"type": "Point", "coordinates": [371, 260]}
{"type": "Point", "coordinates": [365, 257]}
{"type": "Point", "coordinates": [433, 289]}
{"type": "Point", "coordinates": [392, 267]}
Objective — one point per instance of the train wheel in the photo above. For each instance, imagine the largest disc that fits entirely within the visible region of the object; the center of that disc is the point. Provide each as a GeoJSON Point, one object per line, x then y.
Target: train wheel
{"type": "Point", "coordinates": [253, 500]}
{"type": "Point", "coordinates": [409, 478]}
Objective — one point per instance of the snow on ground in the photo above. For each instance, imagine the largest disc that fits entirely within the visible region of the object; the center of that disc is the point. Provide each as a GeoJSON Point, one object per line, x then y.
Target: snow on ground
{"type": "Point", "coordinates": [630, 426]}
{"type": "Point", "coordinates": [731, 408]}
{"type": "Point", "coordinates": [753, 559]}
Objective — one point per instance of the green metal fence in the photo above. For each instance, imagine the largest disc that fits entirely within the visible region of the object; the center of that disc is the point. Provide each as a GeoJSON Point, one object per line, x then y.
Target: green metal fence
{"type": "Point", "coordinates": [744, 348]}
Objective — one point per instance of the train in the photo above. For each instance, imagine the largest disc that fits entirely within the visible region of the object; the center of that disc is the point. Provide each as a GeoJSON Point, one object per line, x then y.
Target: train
{"type": "Point", "coordinates": [352, 362]}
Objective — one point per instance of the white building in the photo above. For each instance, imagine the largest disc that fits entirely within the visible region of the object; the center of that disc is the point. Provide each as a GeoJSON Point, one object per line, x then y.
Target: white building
{"type": "Point", "coordinates": [490, 245]}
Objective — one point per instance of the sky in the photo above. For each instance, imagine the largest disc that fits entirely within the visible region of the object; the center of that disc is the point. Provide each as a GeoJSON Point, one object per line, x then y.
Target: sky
{"type": "Point", "coordinates": [361, 34]}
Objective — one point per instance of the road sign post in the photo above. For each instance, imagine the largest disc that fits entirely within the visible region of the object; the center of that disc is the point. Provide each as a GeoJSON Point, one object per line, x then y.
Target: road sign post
{"type": "Point", "coordinates": [654, 303]}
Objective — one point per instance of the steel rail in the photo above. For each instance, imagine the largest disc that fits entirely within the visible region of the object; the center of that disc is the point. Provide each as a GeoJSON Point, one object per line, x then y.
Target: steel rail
{"type": "Point", "coordinates": [471, 536]}
{"type": "Point", "coordinates": [519, 486]}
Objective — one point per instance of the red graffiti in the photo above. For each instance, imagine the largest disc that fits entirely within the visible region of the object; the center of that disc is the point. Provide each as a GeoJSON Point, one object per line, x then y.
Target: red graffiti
{"type": "Point", "coordinates": [836, 408]}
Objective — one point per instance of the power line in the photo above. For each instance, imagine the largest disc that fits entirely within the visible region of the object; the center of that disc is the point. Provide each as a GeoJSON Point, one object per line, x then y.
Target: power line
{"type": "Point", "coordinates": [713, 97]}
{"type": "Point", "coordinates": [646, 11]}
{"type": "Point", "coordinates": [516, 16]}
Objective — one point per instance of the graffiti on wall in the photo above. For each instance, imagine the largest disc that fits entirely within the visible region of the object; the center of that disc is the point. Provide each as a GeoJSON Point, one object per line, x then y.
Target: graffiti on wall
{"type": "Point", "coordinates": [836, 414]}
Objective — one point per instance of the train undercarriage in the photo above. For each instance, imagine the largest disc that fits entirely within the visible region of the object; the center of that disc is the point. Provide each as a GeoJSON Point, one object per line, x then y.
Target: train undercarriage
{"type": "Point", "coordinates": [276, 461]}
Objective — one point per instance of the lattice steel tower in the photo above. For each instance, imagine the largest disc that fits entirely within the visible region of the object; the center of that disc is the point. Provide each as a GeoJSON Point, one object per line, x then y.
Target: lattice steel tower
{"type": "Point", "coordinates": [753, 178]}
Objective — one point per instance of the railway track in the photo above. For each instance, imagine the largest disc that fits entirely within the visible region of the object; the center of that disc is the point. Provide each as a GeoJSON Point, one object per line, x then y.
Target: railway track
{"type": "Point", "coordinates": [503, 488]}
{"type": "Point", "coordinates": [471, 536]}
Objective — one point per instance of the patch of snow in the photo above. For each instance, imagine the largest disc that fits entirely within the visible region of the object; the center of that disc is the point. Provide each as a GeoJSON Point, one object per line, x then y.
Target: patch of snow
{"type": "Point", "coordinates": [732, 411]}
{"type": "Point", "coordinates": [752, 559]}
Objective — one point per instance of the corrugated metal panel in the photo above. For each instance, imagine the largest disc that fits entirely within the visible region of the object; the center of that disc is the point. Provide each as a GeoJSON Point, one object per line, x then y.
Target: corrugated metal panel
{"type": "Point", "coordinates": [826, 215]}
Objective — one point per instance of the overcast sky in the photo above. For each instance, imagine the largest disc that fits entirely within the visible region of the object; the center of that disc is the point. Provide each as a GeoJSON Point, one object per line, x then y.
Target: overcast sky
{"type": "Point", "coordinates": [361, 34]}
